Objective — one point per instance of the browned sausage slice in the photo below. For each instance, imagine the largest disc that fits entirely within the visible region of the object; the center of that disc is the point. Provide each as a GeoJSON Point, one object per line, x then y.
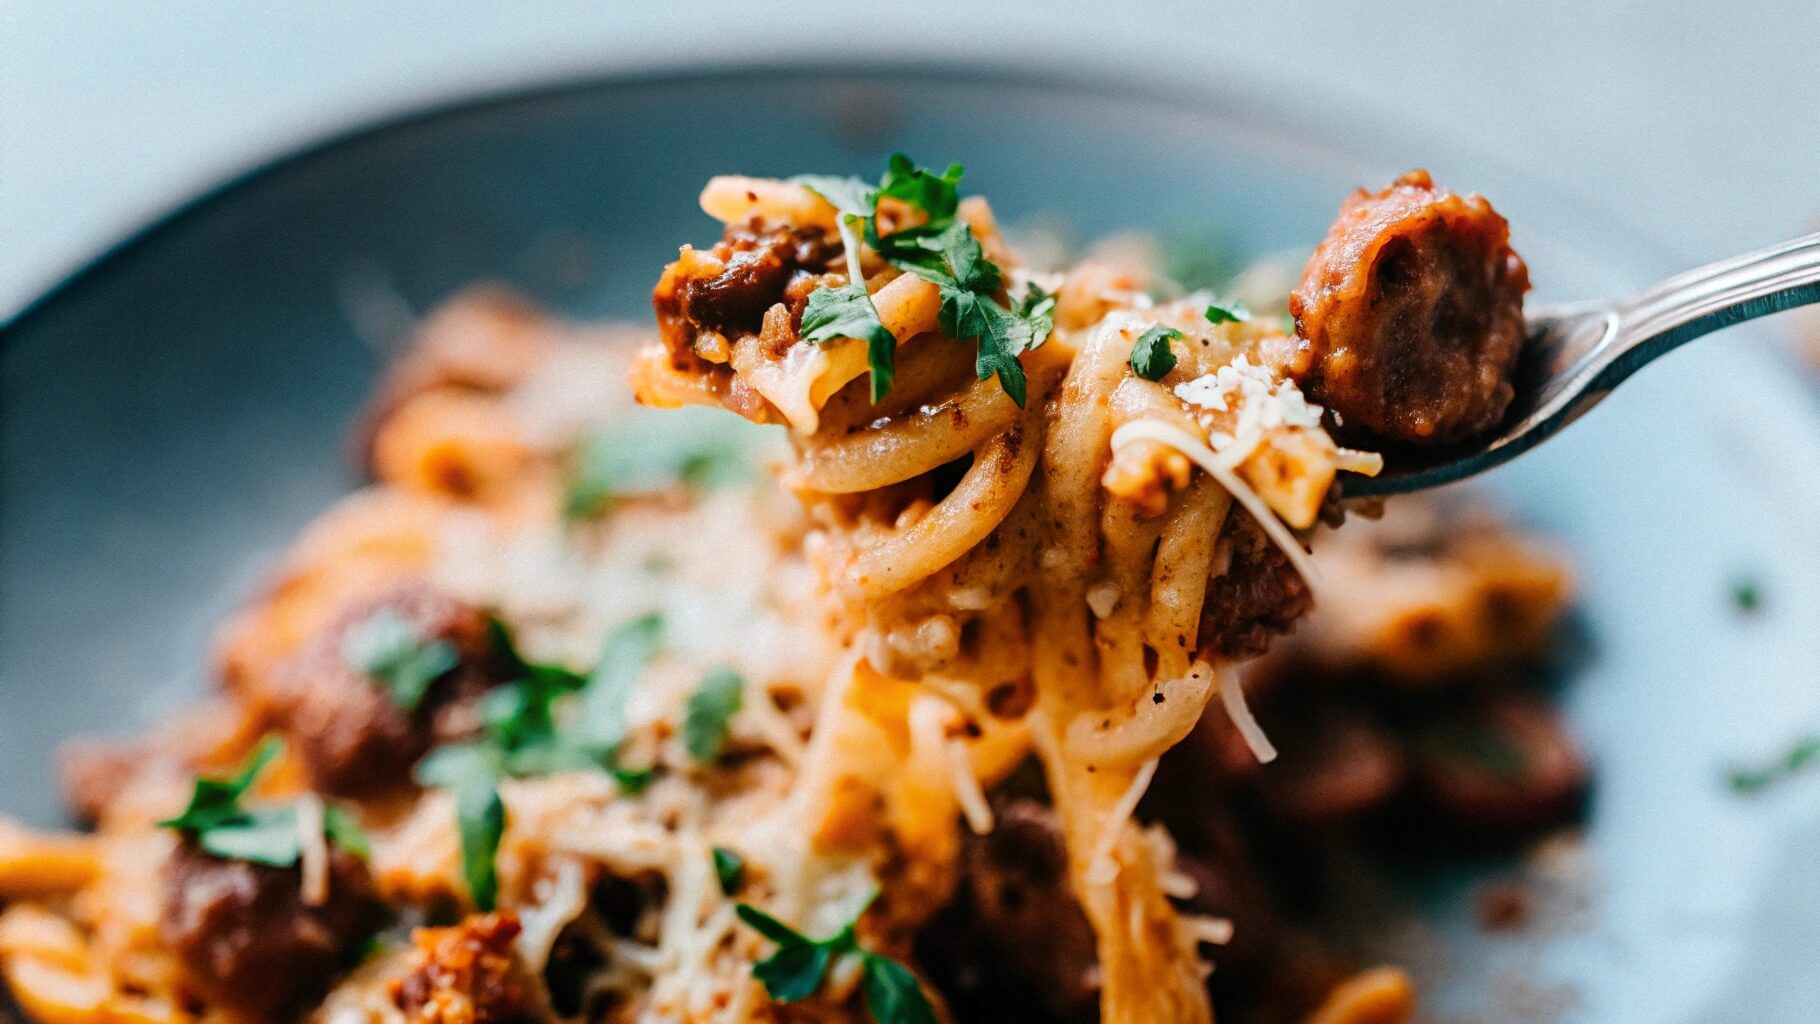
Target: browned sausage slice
{"type": "Point", "coordinates": [1507, 767]}
{"type": "Point", "coordinates": [352, 738]}
{"type": "Point", "coordinates": [246, 938]}
{"type": "Point", "coordinates": [1410, 314]}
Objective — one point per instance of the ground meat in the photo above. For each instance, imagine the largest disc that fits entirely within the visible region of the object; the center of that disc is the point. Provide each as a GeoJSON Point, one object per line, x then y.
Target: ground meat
{"type": "Point", "coordinates": [1257, 598]}
{"type": "Point", "coordinates": [469, 974]}
{"type": "Point", "coordinates": [352, 738]}
{"type": "Point", "coordinates": [1410, 314]}
{"type": "Point", "coordinates": [750, 270]}
{"type": "Point", "coordinates": [246, 939]}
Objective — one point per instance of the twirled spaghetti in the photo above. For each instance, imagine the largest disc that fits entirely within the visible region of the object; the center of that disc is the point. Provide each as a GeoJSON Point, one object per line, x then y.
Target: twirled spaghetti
{"type": "Point", "coordinates": [568, 717]}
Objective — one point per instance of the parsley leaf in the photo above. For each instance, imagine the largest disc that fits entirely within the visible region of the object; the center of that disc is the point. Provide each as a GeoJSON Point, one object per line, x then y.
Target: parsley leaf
{"type": "Point", "coordinates": [515, 665]}
{"type": "Point", "coordinates": [711, 708]}
{"type": "Point", "coordinates": [388, 648]}
{"type": "Point", "coordinates": [1747, 596]}
{"type": "Point", "coordinates": [796, 970]}
{"type": "Point", "coordinates": [480, 818]}
{"type": "Point", "coordinates": [893, 995]}
{"type": "Point", "coordinates": [345, 832]}
{"type": "Point", "coordinates": [1000, 335]}
{"type": "Point", "coordinates": [700, 449]}
{"type": "Point", "coordinates": [215, 801]}
{"type": "Point", "coordinates": [1151, 357]}
{"type": "Point", "coordinates": [800, 965]}
{"type": "Point", "coordinates": [472, 771]}
{"type": "Point", "coordinates": [847, 312]}
{"type": "Point", "coordinates": [632, 780]}
{"type": "Point", "coordinates": [967, 280]}
{"type": "Point", "coordinates": [548, 719]}
{"type": "Point", "coordinates": [937, 195]}
{"type": "Point", "coordinates": [266, 836]}
{"type": "Point", "coordinates": [729, 870]}
{"type": "Point", "coordinates": [262, 835]}
{"type": "Point", "coordinates": [1800, 755]}
{"type": "Point", "coordinates": [851, 196]}
{"type": "Point", "coordinates": [601, 721]}
{"type": "Point", "coordinates": [1227, 312]}
{"type": "Point", "coordinates": [941, 250]}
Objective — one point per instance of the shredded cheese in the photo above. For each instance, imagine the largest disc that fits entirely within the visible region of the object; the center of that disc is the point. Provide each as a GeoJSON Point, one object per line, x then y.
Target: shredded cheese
{"type": "Point", "coordinates": [1197, 452]}
{"type": "Point", "coordinates": [1232, 697]}
{"type": "Point", "coordinates": [313, 855]}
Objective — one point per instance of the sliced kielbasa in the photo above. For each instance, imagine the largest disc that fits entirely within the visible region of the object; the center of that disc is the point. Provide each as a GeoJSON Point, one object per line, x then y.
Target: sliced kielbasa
{"type": "Point", "coordinates": [1410, 314]}
{"type": "Point", "coordinates": [355, 739]}
{"type": "Point", "coordinates": [245, 937]}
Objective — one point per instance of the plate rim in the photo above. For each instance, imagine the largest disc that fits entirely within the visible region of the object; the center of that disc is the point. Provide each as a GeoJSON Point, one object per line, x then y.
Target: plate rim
{"type": "Point", "coordinates": [1325, 120]}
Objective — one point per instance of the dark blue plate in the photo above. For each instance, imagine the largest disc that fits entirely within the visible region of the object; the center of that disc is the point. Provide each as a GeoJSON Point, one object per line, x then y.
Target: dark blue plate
{"type": "Point", "coordinates": [173, 414]}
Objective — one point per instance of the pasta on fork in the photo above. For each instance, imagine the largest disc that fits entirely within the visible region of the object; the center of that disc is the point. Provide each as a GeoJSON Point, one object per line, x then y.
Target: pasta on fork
{"type": "Point", "coordinates": [1067, 507]}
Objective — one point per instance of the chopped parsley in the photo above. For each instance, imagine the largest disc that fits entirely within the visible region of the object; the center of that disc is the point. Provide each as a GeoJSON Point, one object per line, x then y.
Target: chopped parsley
{"type": "Point", "coordinates": [699, 449]}
{"type": "Point", "coordinates": [391, 651]}
{"type": "Point", "coordinates": [800, 965]}
{"type": "Point", "coordinates": [942, 250]}
{"type": "Point", "coordinates": [219, 824]}
{"type": "Point", "coordinates": [1151, 357]}
{"type": "Point", "coordinates": [847, 312]}
{"type": "Point", "coordinates": [729, 870]}
{"type": "Point", "coordinates": [547, 719]}
{"type": "Point", "coordinates": [1746, 595]}
{"type": "Point", "coordinates": [711, 709]}
{"type": "Point", "coordinates": [1802, 754]}
{"type": "Point", "coordinates": [1227, 312]}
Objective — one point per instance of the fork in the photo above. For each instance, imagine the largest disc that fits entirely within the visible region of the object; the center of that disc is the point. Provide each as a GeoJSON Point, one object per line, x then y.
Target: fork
{"type": "Point", "coordinates": [1575, 355]}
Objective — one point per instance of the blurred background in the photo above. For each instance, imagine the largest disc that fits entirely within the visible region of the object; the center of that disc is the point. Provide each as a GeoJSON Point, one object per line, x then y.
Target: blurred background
{"type": "Point", "coordinates": [1697, 122]}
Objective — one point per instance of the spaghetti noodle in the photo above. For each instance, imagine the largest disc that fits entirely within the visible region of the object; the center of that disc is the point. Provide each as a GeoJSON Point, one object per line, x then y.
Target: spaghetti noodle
{"type": "Point", "coordinates": [569, 716]}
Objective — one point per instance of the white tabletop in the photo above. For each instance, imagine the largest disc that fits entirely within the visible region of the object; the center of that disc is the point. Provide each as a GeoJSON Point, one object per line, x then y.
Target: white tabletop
{"type": "Point", "coordinates": [1697, 121]}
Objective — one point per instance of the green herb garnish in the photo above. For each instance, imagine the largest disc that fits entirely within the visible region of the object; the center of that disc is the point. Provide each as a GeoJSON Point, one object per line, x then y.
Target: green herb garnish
{"type": "Point", "coordinates": [1227, 312]}
{"type": "Point", "coordinates": [942, 250]}
{"type": "Point", "coordinates": [601, 723]}
{"type": "Point", "coordinates": [847, 312]}
{"type": "Point", "coordinates": [1803, 753]}
{"type": "Point", "coordinates": [800, 965]}
{"type": "Point", "coordinates": [480, 818]}
{"type": "Point", "coordinates": [1151, 357]}
{"type": "Point", "coordinates": [1747, 596]}
{"type": "Point", "coordinates": [967, 280]}
{"type": "Point", "coordinates": [219, 824]}
{"type": "Point", "coordinates": [729, 870]}
{"type": "Point", "coordinates": [699, 449]}
{"type": "Point", "coordinates": [392, 652]}
{"type": "Point", "coordinates": [711, 709]}
{"type": "Point", "coordinates": [548, 719]}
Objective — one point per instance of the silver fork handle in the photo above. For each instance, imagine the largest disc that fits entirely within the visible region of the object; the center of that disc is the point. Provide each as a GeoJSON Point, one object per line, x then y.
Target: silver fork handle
{"type": "Point", "coordinates": [1722, 293]}
{"type": "Point", "coordinates": [1587, 350]}
{"type": "Point", "coordinates": [1686, 306]}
